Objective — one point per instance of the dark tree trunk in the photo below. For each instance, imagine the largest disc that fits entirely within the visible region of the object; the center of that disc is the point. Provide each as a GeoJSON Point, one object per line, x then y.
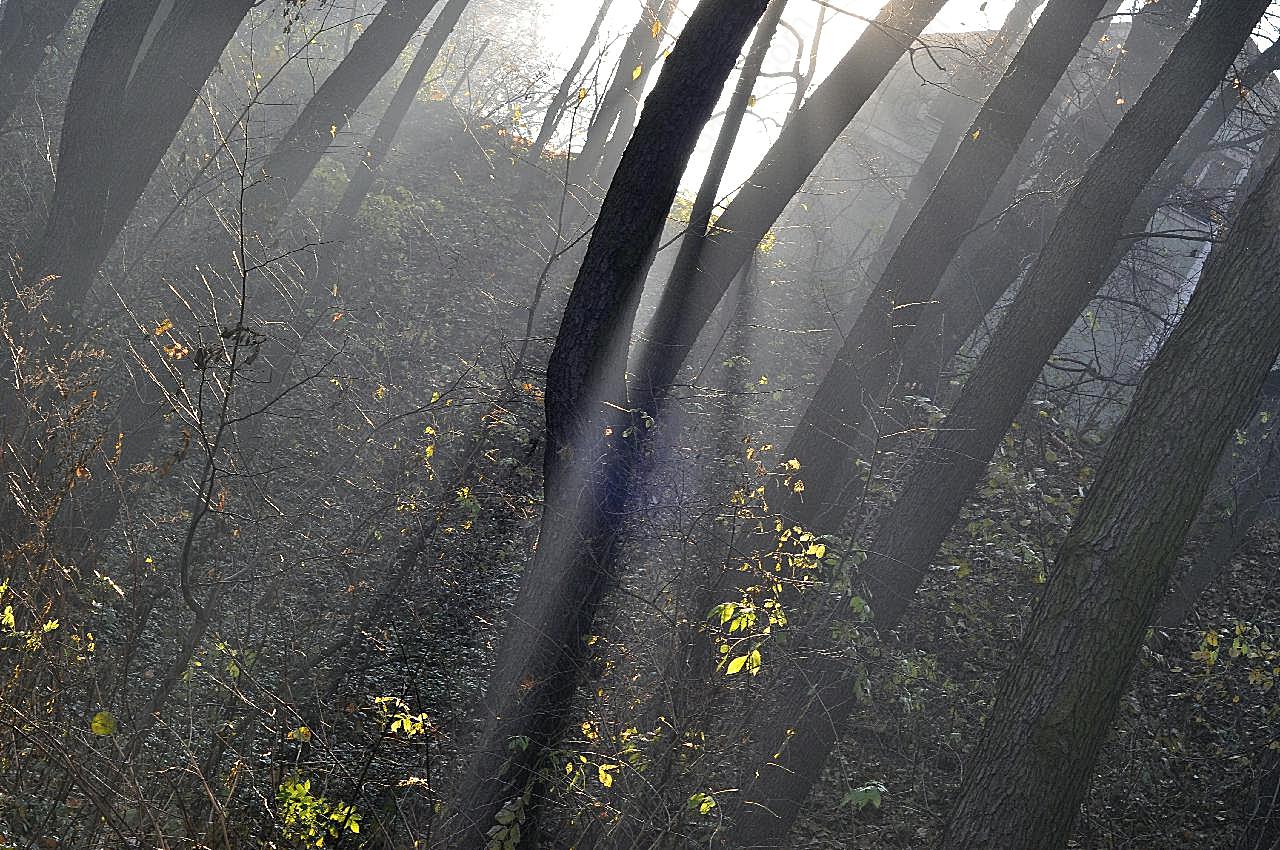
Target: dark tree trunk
{"type": "Point", "coordinates": [704, 203]}
{"type": "Point", "coordinates": [1262, 829]}
{"type": "Point", "coordinates": [27, 29]}
{"type": "Point", "coordinates": [559, 103]}
{"type": "Point", "coordinates": [639, 52]}
{"type": "Point", "coordinates": [1054, 707]}
{"type": "Point", "coordinates": [820, 697]}
{"type": "Point", "coordinates": [298, 152]}
{"type": "Point", "coordinates": [686, 305]}
{"type": "Point", "coordinates": [538, 664]}
{"type": "Point", "coordinates": [838, 427]}
{"type": "Point", "coordinates": [94, 130]}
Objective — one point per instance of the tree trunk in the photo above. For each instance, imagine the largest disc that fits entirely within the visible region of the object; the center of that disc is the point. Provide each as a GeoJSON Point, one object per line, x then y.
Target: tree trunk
{"type": "Point", "coordinates": [988, 267]}
{"type": "Point", "coordinates": [538, 665]}
{"type": "Point", "coordinates": [704, 203]}
{"type": "Point", "coordinates": [638, 54]}
{"type": "Point", "coordinates": [364, 173]}
{"type": "Point", "coordinates": [298, 152]}
{"type": "Point", "coordinates": [685, 306]}
{"type": "Point", "coordinates": [970, 84]}
{"type": "Point", "coordinates": [556, 109]}
{"type": "Point", "coordinates": [28, 28]}
{"type": "Point", "coordinates": [820, 697]}
{"type": "Point", "coordinates": [93, 140]}
{"type": "Point", "coordinates": [1024, 785]}
{"type": "Point", "coordinates": [838, 427]}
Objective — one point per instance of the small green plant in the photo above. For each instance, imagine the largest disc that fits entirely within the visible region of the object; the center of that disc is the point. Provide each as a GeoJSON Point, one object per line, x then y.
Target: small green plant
{"type": "Point", "coordinates": [311, 820]}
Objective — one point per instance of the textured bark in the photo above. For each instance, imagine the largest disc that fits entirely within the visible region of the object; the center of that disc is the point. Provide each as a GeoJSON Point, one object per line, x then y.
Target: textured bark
{"type": "Point", "coordinates": [27, 29]}
{"type": "Point", "coordinates": [559, 103]}
{"type": "Point", "coordinates": [683, 310]}
{"type": "Point", "coordinates": [1054, 707]}
{"type": "Point", "coordinates": [94, 133]}
{"type": "Point", "coordinates": [704, 203]}
{"type": "Point", "coordinates": [970, 84]}
{"type": "Point", "coordinates": [538, 664]}
{"type": "Point", "coordinates": [639, 51]}
{"type": "Point", "coordinates": [298, 152]}
{"type": "Point", "coordinates": [820, 697]}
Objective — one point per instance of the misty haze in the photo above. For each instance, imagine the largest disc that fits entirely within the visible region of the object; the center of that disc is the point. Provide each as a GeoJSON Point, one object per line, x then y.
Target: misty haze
{"type": "Point", "coordinates": [640, 424]}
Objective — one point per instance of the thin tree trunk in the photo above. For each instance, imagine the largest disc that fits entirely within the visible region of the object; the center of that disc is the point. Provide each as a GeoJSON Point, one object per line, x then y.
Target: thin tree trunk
{"type": "Point", "coordinates": [704, 203]}
{"type": "Point", "coordinates": [970, 86]}
{"type": "Point", "coordinates": [364, 173]}
{"type": "Point", "coordinates": [820, 696]}
{"type": "Point", "coordinates": [556, 109]}
{"type": "Point", "coordinates": [637, 60]}
{"type": "Point", "coordinates": [685, 306]}
{"type": "Point", "coordinates": [298, 152]}
{"type": "Point", "coordinates": [1054, 707]}
{"type": "Point", "coordinates": [538, 664]}
{"type": "Point", "coordinates": [28, 28]}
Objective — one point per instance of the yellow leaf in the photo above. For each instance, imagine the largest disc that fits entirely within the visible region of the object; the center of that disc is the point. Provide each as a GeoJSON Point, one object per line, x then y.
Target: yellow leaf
{"type": "Point", "coordinates": [975, 134]}
{"type": "Point", "coordinates": [302, 734]}
{"type": "Point", "coordinates": [657, 29]}
{"type": "Point", "coordinates": [582, 95]}
{"type": "Point", "coordinates": [637, 71]}
{"type": "Point", "coordinates": [751, 101]}
{"type": "Point", "coordinates": [333, 131]}
{"type": "Point", "coordinates": [103, 723]}
{"type": "Point", "coordinates": [163, 328]}
{"type": "Point", "coordinates": [605, 775]}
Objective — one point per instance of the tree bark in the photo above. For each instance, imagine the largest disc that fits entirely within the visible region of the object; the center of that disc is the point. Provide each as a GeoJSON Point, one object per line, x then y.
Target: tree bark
{"type": "Point", "coordinates": [298, 152]}
{"type": "Point", "coordinates": [1054, 707]}
{"type": "Point", "coordinates": [28, 28]}
{"type": "Point", "coordinates": [556, 109]}
{"type": "Point", "coordinates": [639, 52]}
{"type": "Point", "coordinates": [686, 306]}
{"type": "Point", "coordinates": [538, 665]}
{"type": "Point", "coordinates": [704, 203]}
{"type": "Point", "coordinates": [820, 697]}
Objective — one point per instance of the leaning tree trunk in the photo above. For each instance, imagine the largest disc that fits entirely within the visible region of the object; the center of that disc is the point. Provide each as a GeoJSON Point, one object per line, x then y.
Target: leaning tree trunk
{"type": "Point", "coordinates": [820, 698]}
{"type": "Point", "coordinates": [687, 305]}
{"type": "Point", "coordinates": [1059, 287]}
{"type": "Point", "coordinates": [638, 55]}
{"type": "Point", "coordinates": [835, 429]}
{"type": "Point", "coordinates": [559, 103]}
{"type": "Point", "coordinates": [164, 85]}
{"type": "Point", "coordinates": [364, 173]}
{"type": "Point", "coordinates": [298, 152]}
{"type": "Point", "coordinates": [988, 267]}
{"type": "Point", "coordinates": [704, 203]}
{"type": "Point", "coordinates": [1024, 784]}
{"type": "Point", "coordinates": [970, 84]}
{"type": "Point", "coordinates": [28, 28]}
{"type": "Point", "coordinates": [538, 665]}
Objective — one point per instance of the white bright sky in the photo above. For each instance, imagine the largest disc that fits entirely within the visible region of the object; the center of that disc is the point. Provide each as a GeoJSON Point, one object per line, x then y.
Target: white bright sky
{"type": "Point", "coordinates": [563, 24]}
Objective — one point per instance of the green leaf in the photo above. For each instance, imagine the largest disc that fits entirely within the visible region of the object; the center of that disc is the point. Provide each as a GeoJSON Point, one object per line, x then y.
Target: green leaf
{"type": "Point", "coordinates": [103, 724]}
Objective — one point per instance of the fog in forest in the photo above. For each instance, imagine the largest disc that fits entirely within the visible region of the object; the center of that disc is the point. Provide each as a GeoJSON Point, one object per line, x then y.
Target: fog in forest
{"type": "Point", "coordinates": [639, 424]}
